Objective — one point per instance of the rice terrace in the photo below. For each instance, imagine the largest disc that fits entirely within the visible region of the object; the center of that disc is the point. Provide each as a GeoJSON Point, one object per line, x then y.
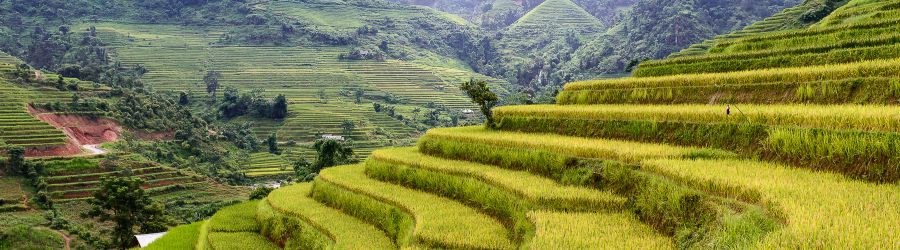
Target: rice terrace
{"type": "Point", "coordinates": [449, 124]}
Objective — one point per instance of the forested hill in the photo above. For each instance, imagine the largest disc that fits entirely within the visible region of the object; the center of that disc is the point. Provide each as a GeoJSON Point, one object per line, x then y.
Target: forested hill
{"type": "Point", "coordinates": [477, 35]}
{"type": "Point", "coordinates": [630, 31]}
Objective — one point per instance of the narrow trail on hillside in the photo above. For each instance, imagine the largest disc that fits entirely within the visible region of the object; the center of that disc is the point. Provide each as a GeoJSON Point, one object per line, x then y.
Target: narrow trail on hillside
{"type": "Point", "coordinates": [66, 238]}
{"type": "Point", "coordinates": [94, 149]}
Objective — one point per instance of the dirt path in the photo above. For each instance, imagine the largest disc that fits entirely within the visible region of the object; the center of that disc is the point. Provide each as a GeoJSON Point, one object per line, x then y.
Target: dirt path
{"type": "Point", "coordinates": [94, 149]}
{"type": "Point", "coordinates": [66, 238]}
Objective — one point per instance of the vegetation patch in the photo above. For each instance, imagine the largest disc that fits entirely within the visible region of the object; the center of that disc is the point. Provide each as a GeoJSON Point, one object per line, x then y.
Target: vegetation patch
{"type": "Point", "coordinates": [821, 208]}
{"type": "Point", "coordinates": [438, 221]}
{"type": "Point", "coordinates": [859, 154]}
{"type": "Point", "coordinates": [345, 231]}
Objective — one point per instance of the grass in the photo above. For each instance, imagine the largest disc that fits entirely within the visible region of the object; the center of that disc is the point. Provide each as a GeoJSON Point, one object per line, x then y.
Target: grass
{"type": "Point", "coordinates": [625, 151]}
{"type": "Point", "coordinates": [234, 227]}
{"type": "Point", "coordinates": [25, 237]}
{"type": "Point", "coordinates": [584, 230]}
{"type": "Point", "coordinates": [540, 191]}
{"type": "Point", "coordinates": [180, 237]}
{"type": "Point", "coordinates": [554, 15]}
{"type": "Point", "coordinates": [347, 232]}
{"type": "Point", "coordinates": [177, 58]}
{"type": "Point", "coordinates": [867, 90]}
{"type": "Point", "coordinates": [691, 217]}
{"type": "Point", "coordinates": [821, 209]}
{"type": "Point", "coordinates": [489, 199]}
{"type": "Point", "coordinates": [845, 52]}
{"type": "Point", "coordinates": [874, 68]}
{"type": "Point", "coordinates": [787, 19]}
{"type": "Point", "coordinates": [397, 223]}
{"type": "Point", "coordinates": [239, 240]}
{"type": "Point", "coordinates": [439, 222]}
{"type": "Point", "coordinates": [17, 126]}
{"type": "Point", "coordinates": [836, 117]}
{"type": "Point", "coordinates": [236, 218]}
{"type": "Point", "coordinates": [858, 154]}
{"type": "Point", "coordinates": [13, 190]}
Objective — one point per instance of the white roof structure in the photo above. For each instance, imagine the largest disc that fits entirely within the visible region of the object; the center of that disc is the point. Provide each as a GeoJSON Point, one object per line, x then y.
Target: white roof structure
{"type": "Point", "coordinates": [332, 137]}
{"type": "Point", "coordinates": [146, 239]}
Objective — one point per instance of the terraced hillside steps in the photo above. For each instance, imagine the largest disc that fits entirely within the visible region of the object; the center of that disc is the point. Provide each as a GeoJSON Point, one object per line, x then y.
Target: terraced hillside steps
{"type": "Point", "coordinates": [538, 190]}
{"type": "Point", "coordinates": [584, 230]}
{"type": "Point", "coordinates": [436, 221]}
{"type": "Point", "coordinates": [529, 205]}
{"type": "Point", "coordinates": [234, 227]}
{"type": "Point", "coordinates": [820, 209]}
{"type": "Point", "coordinates": [554, 15]}
{"type": "Point", "coordinates": [862, 82]}
{"type": "Point", "coordinates": [316, 220]}
{"type": "Point", "coordinates": [509, 149]}
{"type": "Point", "coordinates": [18, 127]}
{"type": "Point", "coordinates": [859, 141]}
{"type": "Point", "coordinates": [787, 19]}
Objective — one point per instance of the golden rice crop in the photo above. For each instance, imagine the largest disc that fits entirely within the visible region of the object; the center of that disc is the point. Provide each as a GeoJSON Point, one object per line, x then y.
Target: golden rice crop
{"type": "Point", "coordinates": [539, 190]}
{"type": "Point", "coordinates": [565, 230]}
{"type": "Point", "coordinates": [837, 117]}
{"type": "Point", "coordinates": [180, 237]}
{"type": "Point", "coordinates": [873, 68]}
{"type": "Point", "coordinates": [235, 218]}
{"type": "Point", "coordinates": [626, 151]}
{"type": "Point", "coordinates": [347, 232]}
{"type": "Point", "coordinates": [440, 222]}
{"type": "Point", "coordinates": [239, 240]}
{"type": "Point", "coordinates": [822, 210]}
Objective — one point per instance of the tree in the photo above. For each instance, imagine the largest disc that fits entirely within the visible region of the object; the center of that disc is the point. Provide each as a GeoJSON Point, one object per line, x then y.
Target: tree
{"type": "Point", "coordinates": [416, 114]}
{"type": "Point", "coordinates": [432, 118]}
{"type": "Point", "coordinates": [377, 107]}
{"type": "Point", "coordinates": [16, 161]}
{"type": "Point", "coordinates": [322, 97]}
{"type": "Point", "coordinates": [233, 103]}
{"type": "Point", "coordinates": [359, 93]}
{"type": "Point", "coordinates": [330, 153]}
{"type": "Point", "coordinates": [61, 83]}
{"type": "Point", "coordinates": [23, 72]}
{"type": "Point", "coordinates": [481, 95]}
{"type": "Point", "coordinates": [212, 82]}
{"type": "Point", "coordinates": [184, 99]}
{"type": "Point", "coordinates": [121, 200]}
{"type": "Point", "coordinates": [260, 193]}
{"type": "Point", "coordinates": [272, 142]}
{"type": "Point", "coordinates": [303, 169]}
{"type": "Point", "coordinates": [280, 107]}
{"type": "Point", "coordinates": [348, 126]}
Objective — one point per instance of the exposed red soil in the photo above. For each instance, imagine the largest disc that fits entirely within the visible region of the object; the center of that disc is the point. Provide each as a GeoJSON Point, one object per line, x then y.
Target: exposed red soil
{"type": "Point", "coordinates": [80, 130]}
{"type": "Point", "coordinates": [69, 148]}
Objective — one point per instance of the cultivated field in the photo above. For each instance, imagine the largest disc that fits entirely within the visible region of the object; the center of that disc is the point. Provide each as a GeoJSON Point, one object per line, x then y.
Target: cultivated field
{"type": "Point", "coordinates": [796, 155]}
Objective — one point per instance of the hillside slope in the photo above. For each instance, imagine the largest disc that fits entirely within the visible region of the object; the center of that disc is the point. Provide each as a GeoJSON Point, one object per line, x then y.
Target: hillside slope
{"type": "Point", "coordinates": [738, 159]}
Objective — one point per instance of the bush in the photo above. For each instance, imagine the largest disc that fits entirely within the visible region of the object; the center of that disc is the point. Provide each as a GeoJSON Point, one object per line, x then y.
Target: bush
{"type": "Point", "coordinates": [260, 192]}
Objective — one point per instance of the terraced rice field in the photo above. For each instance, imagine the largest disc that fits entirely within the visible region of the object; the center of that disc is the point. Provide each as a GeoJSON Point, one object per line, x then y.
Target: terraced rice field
{"type": "Point", "coordinates": [79, 184]}
{"type": "Point", "coordinates": [17, 126]}
{"type": "Point", "coordinates": [266, 164]}
{"type": "Point", "coordinates": [870, 34]}
{"type": "Point", "coordinates": [602, 174]}
{"type": "Point", "coordinates": [557, 16]}
{"type": "Point", "coordinates": [787, 19]}
{"type": "Point", "coordinates": [177, 58]}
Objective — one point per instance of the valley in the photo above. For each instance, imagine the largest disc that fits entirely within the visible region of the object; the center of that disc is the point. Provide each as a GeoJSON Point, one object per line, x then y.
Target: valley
{"type": "Point", "coordinates": [474, 124]}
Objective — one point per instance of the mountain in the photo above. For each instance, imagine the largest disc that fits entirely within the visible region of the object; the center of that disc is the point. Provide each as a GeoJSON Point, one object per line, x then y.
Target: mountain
{"type": "Point", "coordinates": [755, 140]}
{"type": "Point", "coordinates": [738, 147]}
